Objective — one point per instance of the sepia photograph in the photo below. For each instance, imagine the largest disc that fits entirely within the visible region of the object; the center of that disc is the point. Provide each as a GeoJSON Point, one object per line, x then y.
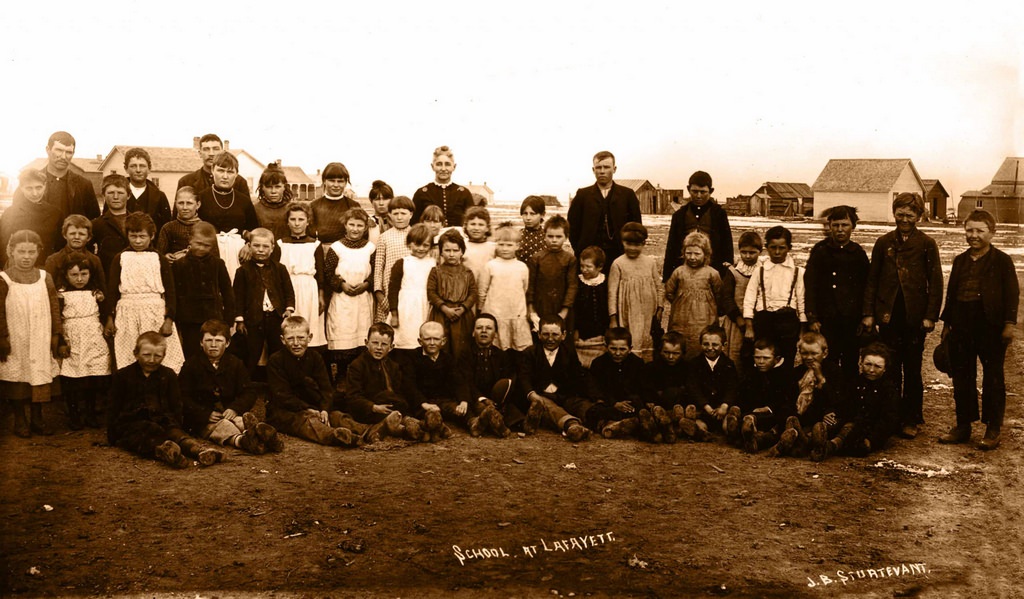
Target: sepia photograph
{"type": "Point", "coordinates": [576, 299]}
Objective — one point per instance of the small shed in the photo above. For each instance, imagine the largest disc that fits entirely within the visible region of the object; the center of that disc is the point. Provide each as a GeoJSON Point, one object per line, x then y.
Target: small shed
{"type": "Point", "coordinates": [482, 194]}
{"type": "Point", "coordinates": [1004, 197]}
{"type": "Point", "coordinates": [868, 184]}
{"type": "Point", "coordinates": [936, 199]}
{"type": "Point", "coordinates": [645, 191]}
{"type": "Point", "coordinates": [775, 198]}
{"type": "Point", "coordinates": [670, 200]}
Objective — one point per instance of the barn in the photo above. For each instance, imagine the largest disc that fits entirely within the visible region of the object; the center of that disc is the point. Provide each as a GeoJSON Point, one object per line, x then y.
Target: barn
{"type": "Point", "coordinates": [868, 184]}
{"type": "Point", "coordinates": [1004, 197]}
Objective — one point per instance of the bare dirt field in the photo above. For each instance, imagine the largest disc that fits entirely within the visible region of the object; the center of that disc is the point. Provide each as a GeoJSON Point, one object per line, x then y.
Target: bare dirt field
{"type": "Point", "coordinates": [526, 517]}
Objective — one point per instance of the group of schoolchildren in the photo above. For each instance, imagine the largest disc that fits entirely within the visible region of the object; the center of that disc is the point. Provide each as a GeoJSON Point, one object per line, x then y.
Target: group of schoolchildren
{"type": "Point", "coordinates": [387, 328]}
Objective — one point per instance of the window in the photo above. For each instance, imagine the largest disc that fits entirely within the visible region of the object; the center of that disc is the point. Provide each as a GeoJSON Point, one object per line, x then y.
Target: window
{"type": "Point", "coordinates": [978, 204]}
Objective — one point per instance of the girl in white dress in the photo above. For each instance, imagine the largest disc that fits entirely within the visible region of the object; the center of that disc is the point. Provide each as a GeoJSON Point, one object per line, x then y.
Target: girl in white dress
{"type": "Point", "coordinates": [502, 284]}
{"type": "Point", "coordinates": [85, 367]}
{"type": "Point", "coordinates": [140, 295]}
{"type": "Point", "coordinates": [348, 263]}
{"type": "Point", "coordinates": [29, 330]}
{"type": "Point", "coordinates": [303, 256]}
{"type": "Point", "coordinates": [407, 292]}
{"type": "Point", "coordinates": [479, 248]}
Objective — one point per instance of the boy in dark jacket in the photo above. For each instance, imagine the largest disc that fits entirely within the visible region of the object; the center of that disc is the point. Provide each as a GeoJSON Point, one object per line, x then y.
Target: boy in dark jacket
{"type": "Point", "coordinates": [763, 395]}
{"type": "Point", "coordinates": [264, 297]}
{"type": "Point", "coordinates": [488, 376]}
{"type": "Point", "coordinates": [618, 409]}
{"type": "Point", "coordinates": [712, 384]}
{"type": "Point", "coordinates": [202, 288]}
{"type": "Point", "coordinates": [552, 379]}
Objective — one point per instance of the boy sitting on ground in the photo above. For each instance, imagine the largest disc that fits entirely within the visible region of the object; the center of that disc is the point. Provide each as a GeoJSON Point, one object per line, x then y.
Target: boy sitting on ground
{"type": "Point", "coordinates": [433, 384]}
{"type": "Point", "coordinates": [218, 396]}
{"type": "Point", "coordinates": [763, 395]}
{"type": "Point", "coordinates": [875, 403]}
{"type": "Point", "coordinates": [488, 373]}
{"type": "Point", "coordinates": [144, 415]}
{"type": "Point", "coordinates": [619, 410]}
{"type": "Point", "coordinates": [712, 385]}
{"type": "Point", "coordinates": [301, 395]}
{"type": "Point", "coordinates": [554, 382]}
{"type": "Point", "coordinates": [374, 388]}
{"type": "Point", "coordinates": [819, 398]}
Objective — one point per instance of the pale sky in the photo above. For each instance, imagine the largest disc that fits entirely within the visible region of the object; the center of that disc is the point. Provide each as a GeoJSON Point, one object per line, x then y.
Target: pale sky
{"type": "Point", "coordinates": [525, 93]}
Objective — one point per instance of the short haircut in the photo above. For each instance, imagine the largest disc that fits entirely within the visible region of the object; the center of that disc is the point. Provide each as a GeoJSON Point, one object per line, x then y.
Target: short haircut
{"type": "Point", "coordinates": [451, 236]}
{"type": "Point", "coordinates": [432, 324]}
{"type": "Point", "coordinates": [302, 207]}
{"type": "Point", "coordinates": [634, 233]}
{"type": "Point", "coordinates": [354, 213]}
{"type": "Point", "coordinates": [673, 338]}
{"type": "Point", "coordinates": [763, 343]}
{"type": "Point", "coordinates": [981, 216]}
{"type": "Point", "coordinates": [63, 137]}
{"type": "Point", "coordinates": [595, 254]}
{"type": "Point", "coordinates": [137, 153]}
{"type": "Point", "coordinates": [381, 328]}
{"type": "Point", "coordinates": [536, 203]}
{"type": "Point", "coordinates": [149, 338]}
{"type": "Point", "coordinates": [186, 190]}
{"type": "Point", "coordinates": [487, 316]}
{"type": "Point", "coordinates": [478, 212]}
{"type": "Point", "coordinates": [442, 151]}
{"type": "Point", "coordinates": [604, 154]}
{"type": "Point", "coordinates": [552, 319]}
{"type": "Point", "coordinates": [76, 220]}
{"type": "Point", "coordinates": [841, 212]}
{"type": "Point", "coordinates": [557, 222]}
{"type": "Point", "coordinates": [211, 137]}
{"type": "Point", "coordinates": [779, 232]}
{"type": "Point", "coordinates": [380, 189]}
{"type": "Point", "coordinates": [226, 160]}
{"type": "Point", "coordinates": [813, 338]}
{"type": "Point", "coordinates": [618, 334]}
{"type": "Point", "coordinates": [401, 203]}
{"type": "Point", "coordinates": [712, 329]}
{"type": "Point", "coordinates": [81, 260]}
{"type": "Point", "coordinates": [114, 180]}
{"type": "Point", "coordinates": [31, 174]}
{"type": "Point", "coordinates": [418, 234]}
{"type": "Point", "coordinates": [877, 348]}
{"type": "Point", "coordinates": [432, 213]}
{"type": "Point", "coordinates": [216, 328]}
{"type": "Point", "coordinates": [699, 240]}
{"type": "Point", "coordinates": [700, 179]}
{"type": "Point", "coordinates": [203, 230]}
{"type": "Point", "coordinates": [507, 232]}
{"type": "Point", "coordinates": [139, 221]}
{"type": "Point", "coordinates": [24, 236]}
{"type": "Point", "coordinates": [914, 201]}
{"type": "Point", "coordinates": [335, 170]}
{"type": "Point", "coordinates": [261, 233]}
{"type": "Point", "coordinates": [750, 239]}
{"type": "Point", "coordinates": [294, 322]}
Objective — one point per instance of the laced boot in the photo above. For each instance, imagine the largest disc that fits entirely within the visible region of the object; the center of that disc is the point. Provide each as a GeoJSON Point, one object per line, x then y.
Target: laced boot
{"type": "Point", "coordinates": [37, 424]}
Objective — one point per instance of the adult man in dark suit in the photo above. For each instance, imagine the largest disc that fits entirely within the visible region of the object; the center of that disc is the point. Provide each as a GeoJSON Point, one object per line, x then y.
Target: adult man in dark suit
{"type": "Point", "coordinates": [597, 213]}
{"type": "Point", "coordinates": [143, 195]}
{"type": "Point", "coordinates": [68, 192]}
{"type": "Point", "coordinates": [554, 382]}
{"type": "Point", "coordinates": [702, 214]}
{"type": "Point", "coordinates": [210, 146]}
{"type": "Point", "coordinates": [453, 199]}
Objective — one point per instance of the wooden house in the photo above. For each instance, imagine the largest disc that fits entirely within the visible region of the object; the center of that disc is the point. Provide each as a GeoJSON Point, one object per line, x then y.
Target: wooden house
{"type": "Point", "coordinates": [645, 191]}
{"type": "Point", "coordinates": [482, 194]}
{"type": "Point", "coordinates": [936, 199]}
{"type": "Point", "coordinates": [782, 199]}
{"type": "Point", "coordinates": [868, 184]}
{"type": "Point", "coordinates": [1004, 197]}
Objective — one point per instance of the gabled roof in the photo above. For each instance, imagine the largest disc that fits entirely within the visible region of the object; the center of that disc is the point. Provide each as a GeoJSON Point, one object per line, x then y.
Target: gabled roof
{"type": "Point", "coordinates": [933, 184]}
{"type": "Point", "coordinates": [79, 165]}
{"type": "Point", "coordinates": [481, 189]}
{"type": "Point", "coordinates": [1011, 169]}
{"type": "Point", "coordinates": [297, 176]}
{"type": "Point", "coordinates": [634, 184]}
{"type": "Point", "coordinates": [790, 191]}
{"type": "Point", "coordinates": [862, 175]}
{"type": "Point", "coordinates": [173, 160]}
{"type": "Point", "coordinates": [238, 154]}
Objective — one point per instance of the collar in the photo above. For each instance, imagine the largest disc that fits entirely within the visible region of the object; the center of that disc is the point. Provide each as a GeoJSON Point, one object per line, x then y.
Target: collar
{"type": "Point", "coordinates": [788, 263]}
{"type": "Point", "coordinates": [745, 270]}
{"type": "Point", "coordinates": [712, 364]}
{"type": "Point", "coordinates": [592, 282]}
{"type": "Point", "coordinates": [443, 185]}
{"type": "Point", "coordinates": [550, 354]}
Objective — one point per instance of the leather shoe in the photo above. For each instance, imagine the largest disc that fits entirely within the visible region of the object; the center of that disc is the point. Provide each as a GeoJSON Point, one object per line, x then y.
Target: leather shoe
{"type": "Point", "coordinates": [991, 439]}
{"type": "Point", "coordinates": [909, 431]}
{"type": "Point", "coordinates": [957, 434]}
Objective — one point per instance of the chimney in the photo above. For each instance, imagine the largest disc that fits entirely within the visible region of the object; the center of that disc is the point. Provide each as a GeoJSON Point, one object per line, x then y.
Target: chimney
{"type": "Point", "coordinates": [99, 156]}
{"type": "Point", "coordinates": [227, 144]}
{"type": "Point", "coordinates": [195, 143]}
{"type": "Point", "coordinates": [278, 162]}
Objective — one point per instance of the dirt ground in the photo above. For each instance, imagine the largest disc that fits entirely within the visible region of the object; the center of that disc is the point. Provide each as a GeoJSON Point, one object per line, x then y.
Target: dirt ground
{"type": "Point", "coordinates": [526, 517]}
